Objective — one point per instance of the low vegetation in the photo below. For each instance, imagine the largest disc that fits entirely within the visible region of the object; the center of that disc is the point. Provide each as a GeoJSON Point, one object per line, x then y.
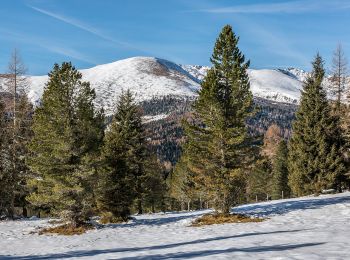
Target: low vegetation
{"type": "Point", "coordinates": [220, 218]}
{"type": "Point", "coordinates": [66, 230]}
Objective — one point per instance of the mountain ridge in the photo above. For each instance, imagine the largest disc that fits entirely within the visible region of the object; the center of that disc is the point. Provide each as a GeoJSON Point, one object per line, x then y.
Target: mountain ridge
{"type": "Point", "coordinates": [151, 77]}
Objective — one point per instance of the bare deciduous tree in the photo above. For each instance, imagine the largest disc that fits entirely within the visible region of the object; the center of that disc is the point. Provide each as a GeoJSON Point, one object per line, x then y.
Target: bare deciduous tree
{"type": "Point", "coordinates": [339, 75]}
{"type": "Point", "coordinates": [16, 82]}
{"type": "Point", "coordinates": [19, 131]}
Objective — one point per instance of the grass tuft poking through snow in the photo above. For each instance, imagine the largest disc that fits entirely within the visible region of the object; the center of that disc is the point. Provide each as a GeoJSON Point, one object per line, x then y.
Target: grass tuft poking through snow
{"type": "Point", "coordinates": [219, 218]}
{"type": "Point", "coordinates": [66, 230]}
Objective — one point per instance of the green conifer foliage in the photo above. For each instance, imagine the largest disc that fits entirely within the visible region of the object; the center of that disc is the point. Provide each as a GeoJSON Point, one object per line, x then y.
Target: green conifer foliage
{"type": "Point", "coordinates": [67, 130]}
{"type": "Point", "coordinates": [219, 148]}
{"type": "Point", "coordinates": [123, 157]}
{"type": "Point", "coordinates": [315, 159]}
{"type": "Point", "coordinates": [153, 186]}
{"type": "Point", "coordinates": [5, 165]}
{"type": "Point", "coordinates": [260, 180]}
{"type": "Point", "coordinates": [280, 172]}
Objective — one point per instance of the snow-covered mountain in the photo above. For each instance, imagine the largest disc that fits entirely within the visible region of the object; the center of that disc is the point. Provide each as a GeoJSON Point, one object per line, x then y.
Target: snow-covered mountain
{"type": "Point", "coordinates": [150, 77]}
{"type": "Point", "coordinates": [146, 77]}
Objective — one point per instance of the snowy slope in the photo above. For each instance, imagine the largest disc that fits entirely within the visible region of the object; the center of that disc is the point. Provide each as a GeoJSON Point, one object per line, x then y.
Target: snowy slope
{"type": "Point", "coordinates": [147, 77]}
{"type": "Point", "coordinates": [305, 228]}
{"type": "Point", "coordinates": [274, 85]}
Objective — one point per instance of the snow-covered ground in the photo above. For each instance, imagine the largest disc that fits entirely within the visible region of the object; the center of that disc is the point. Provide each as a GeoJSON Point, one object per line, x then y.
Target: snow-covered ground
{"type": "Point", "coordinates": [305, 228]}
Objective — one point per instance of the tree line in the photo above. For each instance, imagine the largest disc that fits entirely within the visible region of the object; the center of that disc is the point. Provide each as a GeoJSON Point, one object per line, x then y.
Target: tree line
{"type": "Point", "coordinates": [62, 159]}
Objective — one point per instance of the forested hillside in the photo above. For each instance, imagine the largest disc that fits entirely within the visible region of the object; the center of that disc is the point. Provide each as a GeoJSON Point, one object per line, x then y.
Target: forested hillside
{"type": "Point", "coordinates": [166, 135]}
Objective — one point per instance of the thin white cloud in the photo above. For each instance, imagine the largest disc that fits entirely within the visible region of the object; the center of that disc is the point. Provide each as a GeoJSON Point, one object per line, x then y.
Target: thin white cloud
{"type": "Point", "coordinates": [273, 41]}
{"type": "Point", "coordinates": [43, 43]}
{"type": "Point", "coordinates": [85, 27]}
{"type": "Point", "coordinates": [68, 52]}
{"type": "Point", "coordinates": [283, 7]}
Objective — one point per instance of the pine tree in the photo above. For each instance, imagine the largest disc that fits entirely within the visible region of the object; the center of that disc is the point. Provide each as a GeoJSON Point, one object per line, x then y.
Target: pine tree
{"type": "Point", "coordinates": [280, 172]}
{"type": "Point", "coordinates": [123, 158]}
{"type": "Point", "coordinates": [259, 185]}
{"type": "Point", "coordinates": [5, 165]}
{"type": "Point", "coordinates": [67, 130]}
{"type": "Point", "coordinates": [219, 147]}
{"type": "Point", "coordinates": [153, 185]}
{"type": "Point", "coordinates": [23, 135]}
{"type": "Point", "coordinates": [315, 157]}
{"type": "Point", "coordinates": [183, 185]}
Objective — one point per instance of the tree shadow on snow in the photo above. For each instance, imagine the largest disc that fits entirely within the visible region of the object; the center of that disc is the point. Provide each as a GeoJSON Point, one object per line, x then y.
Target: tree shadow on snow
{"type": "Point", "coordinates": [190, 255]}
{"type": "Point", "coordinates": [91, 253]}
{"type": "Point", "coordinates": [278, 208]}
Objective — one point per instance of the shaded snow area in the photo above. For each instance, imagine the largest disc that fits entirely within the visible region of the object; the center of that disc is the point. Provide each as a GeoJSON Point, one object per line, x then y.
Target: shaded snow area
{"type": "Point", "coordinates": [305, 228]}
{"type": "Point", "coordinates": [148, 119]}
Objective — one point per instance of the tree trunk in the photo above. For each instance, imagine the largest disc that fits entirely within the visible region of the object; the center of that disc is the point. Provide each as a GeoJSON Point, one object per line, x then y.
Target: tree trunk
{"type": "Point", "coordinates": [139, 207]}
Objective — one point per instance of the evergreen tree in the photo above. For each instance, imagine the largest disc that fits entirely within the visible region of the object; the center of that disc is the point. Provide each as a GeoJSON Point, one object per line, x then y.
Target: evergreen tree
{"type": "Point", "coordinates": [280, 172]}
{"type": "Point", "coordinates": [19, 145]}
{"type": "Point", "coordinates": [183, 185]}
{"type": "Point", "coordinates": [153, 185]}
{"type": "Point", "coordinates": [123, 158]}
{"type": "Point", "coordinates": [315, 157]}
{"type": "Point", "coordinates": [67, 131]}
{"type": "Point", "coordinates": [260, 180]}
{"type": "Point", "coordinates": [5, 165]}
{"type": "Point", "coordinates": [219, 147]}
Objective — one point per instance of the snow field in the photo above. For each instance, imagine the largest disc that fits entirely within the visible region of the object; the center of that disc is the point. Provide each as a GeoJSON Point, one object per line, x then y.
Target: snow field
{"type": "Point", "coordinates": [304, 228]}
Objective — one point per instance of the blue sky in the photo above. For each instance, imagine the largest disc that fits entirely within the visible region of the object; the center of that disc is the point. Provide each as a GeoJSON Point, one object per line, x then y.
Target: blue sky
{"type": "Point", "coordinates": [273, 33]}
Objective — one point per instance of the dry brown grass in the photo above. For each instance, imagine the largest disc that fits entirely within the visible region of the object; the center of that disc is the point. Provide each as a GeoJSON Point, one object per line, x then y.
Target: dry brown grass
{"type": "Point", "coordinates": [66, 230]}
{"type": "Point", "coordinates": [109, 218]}
{"type": "Point", "coordinates": [211, 219]}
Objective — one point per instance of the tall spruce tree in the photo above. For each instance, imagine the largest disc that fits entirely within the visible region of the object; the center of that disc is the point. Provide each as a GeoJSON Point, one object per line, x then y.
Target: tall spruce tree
{"type": "Point", "coordinates": [259, 186]}
{"type": "Point", "coordinates": [123, 158]}
{"type": "Point", "coordinates": [219, 147]}
{"type": "Point", "coordinates": [153, 185]}
{"type": "Point", "coordinates": [315, 157]}
{"type": "Point", "coordinates": [185, 186]}
{"type": "Point", "coordinates": [5, 165]}
{"type": "Point", "coordinates": [67, 130]}
{"type": "Point", "coordinates": [280, 172]}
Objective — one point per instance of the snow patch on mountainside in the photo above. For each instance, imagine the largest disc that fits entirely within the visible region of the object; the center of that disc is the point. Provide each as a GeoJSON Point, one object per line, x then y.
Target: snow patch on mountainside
{"type": "Point", "coordinates": [274, 85]}
{"type": "Point", "coordinates": [148, 119]}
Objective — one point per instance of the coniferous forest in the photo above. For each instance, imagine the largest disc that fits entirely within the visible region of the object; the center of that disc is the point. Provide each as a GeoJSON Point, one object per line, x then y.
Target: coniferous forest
{"type": "Point", "coordinates": [65, 158]}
